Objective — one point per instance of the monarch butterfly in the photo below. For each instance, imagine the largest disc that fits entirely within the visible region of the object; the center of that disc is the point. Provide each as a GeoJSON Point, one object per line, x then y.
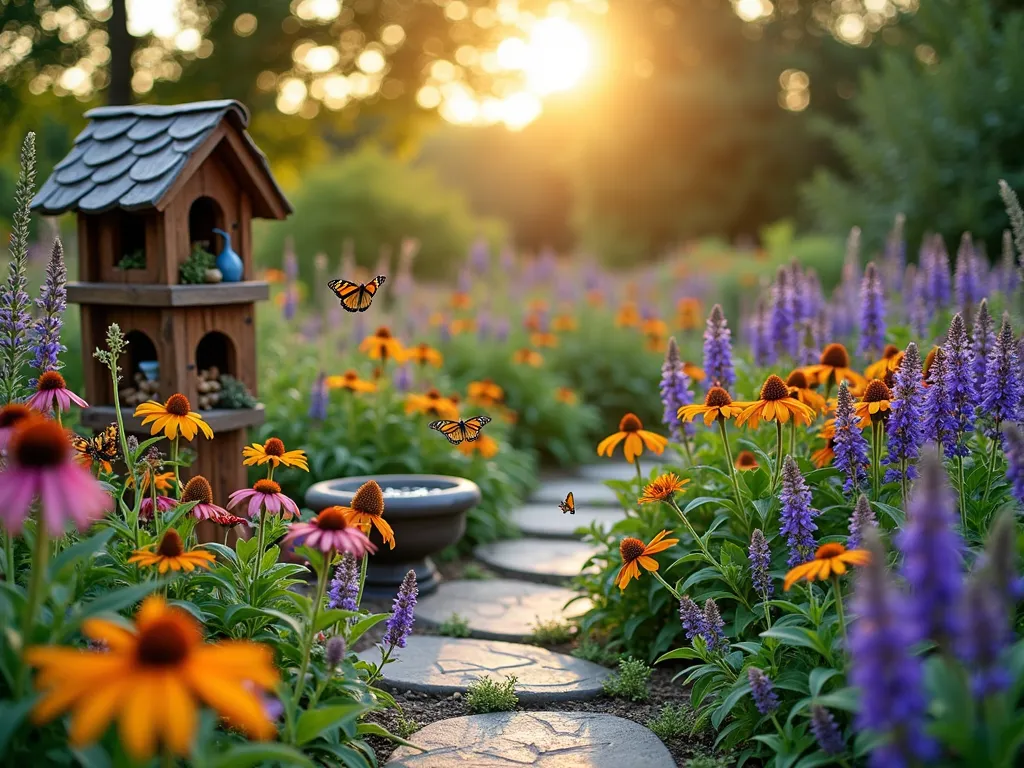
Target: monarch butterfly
{"type": "Point", "coordinates": [569, 505]}
{"type": "Point", "coordinates": [356, 297]}
{"type": "Point", "coordinates": [101, 447]}
{"type": "Point", "coordinates": [457, 431]}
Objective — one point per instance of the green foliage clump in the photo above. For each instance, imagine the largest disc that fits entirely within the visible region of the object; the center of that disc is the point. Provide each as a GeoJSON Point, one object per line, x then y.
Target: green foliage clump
{"type": "Point", "coordinates": [590, 650]}
{"type": "Point", "coordinates": [957, 87]}
{"type": "Point", "coordinates": [133, 260]}
{"type": "Point", "coordinates": [553, 632]}
{"type": "Point", "coordinates": [673, 721]}
{"type": "Point", "coordinates": [375, 200]}
{"type": "Point", "coordinates": [710, 761]}
{"type": "Point", "coordinates": [476, 572]}
{"type": "Point", "coordinates": [631, 681]}
{"type": "Point", "coordinates": [193, 269]}
{"type": "Point", "coordinates": [406, 727]}
{"type": "Point", "coordinates": [234, 393]}
{"type": "Point", "coordinates": [454, 626]}
{"type": "Point", "coordinates": [486, 695]}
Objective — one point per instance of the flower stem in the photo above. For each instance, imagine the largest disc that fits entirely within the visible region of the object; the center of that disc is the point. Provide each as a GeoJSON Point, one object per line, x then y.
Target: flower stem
{"type": "Point", "coordinates": [903, 480]}
{"type": "Point", "coordinates": [778, 455]}
{"type": "Point", "coordinates": [840, 616]}
{"type": "Point", "coordinates": [991, 463]}
{"type": "Point", "coordinates": [9, 558]}
{"type": "Point", "coordinates": [321, 587]}
{"type": "Point", "coordinates": [362, 580]}
{"type": "Point", "coordinates": [259, 555]}
{"type": "Point", "coordinates": [731, 465]}
{"type": "Point", "coordinates": [36, 584]}
{"type": "Point", "coordinates": [876, 458]}
{"type": "Point", "coordinates": [792, 437]}
{"type": "Point", "coordinates": [639, 476]}
{"type": "Point", "coordinates": [667, 586]}
{"type": "Point", "coordinates": [174, 458]}
{"type": "Point", "coordinates": [963, 493]}
{"type": "Point", "coordinates": [686, 448]}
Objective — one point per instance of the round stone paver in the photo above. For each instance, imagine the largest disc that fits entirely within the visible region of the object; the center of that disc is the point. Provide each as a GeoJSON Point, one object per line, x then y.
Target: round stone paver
{"type": "Point", "coordinates": [547, 521]}
{"type": "Point", "coordinates": [608, 470]}
{"type": "Point", "coordinates": [585, 492]}
{"type": "Point", "coordinates": [547, 561]}
{"type": "Point", "coordinates": [539, 739]}
{"type": "Point", "coordinates": [444, 665]}
{"type": "Point", "coordinates": [499, 609]}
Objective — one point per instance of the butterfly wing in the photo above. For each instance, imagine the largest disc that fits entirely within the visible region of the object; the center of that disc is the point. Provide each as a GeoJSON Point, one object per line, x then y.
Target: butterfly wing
{"type": "Point", "coordinates": [569, 505]}
{"type": "Point", "coordinates": [474, 425]}
{"type": "Point", "coordinates": [106, 443]}
{"type": "Point", "coordinates": [455, 431]}
{"type": "Point", "coordinates": [356, 297]}
{"type": "Point", "coordinates": [82, 445]}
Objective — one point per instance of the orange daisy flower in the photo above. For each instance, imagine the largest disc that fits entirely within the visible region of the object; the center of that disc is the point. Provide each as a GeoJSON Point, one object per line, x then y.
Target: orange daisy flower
{"type": "Point", "coordinates": [350, 380]}
{"type": "Point", "coordinates": [561, 323]}
{"type": "Point", "coordinates": [631, 429]}
{"type": "Point", "coordinates": [823, 456]}
{"type": "Point", "coordinates": [775, 404]}
{"type": "Point", "coordinates": [628, 315]}
{"type": "Point", "coordinates": [382, 346]}
{"type": "Point", "coordinates": [800, 388]}
{"type": "Point", "coordinates": [485, 445]}
{"type": "Point", "coordinates": [833, 368]}
{"type": "Point", "coordinates": [368, 509]}
{"type": "Point", "coordinates": [527, 356]}
{"type": "Point", "coordinates": [717, 405]}
{"type": "Point", "coordinates": [695, 372]}
{"type": "Point", "coordinates": [746, 461]}
{"type": "Point", "coordinates": [273, 452]}
{"type": "Point", "coordinates": [460, 300]}
{"type": "Point", "coordinates": [462, 325]}
{"type": "Point", "coordinates": [890, 361]}
{"type": "Point", "coordinates": [431, 403]}
{"type": "Point", "coordinates": [830, 560]}
{"type": "Point", "coordinates": [636, 554]}
{"type": "Point", "coordinates": [485, 392]}
{"type": "Point", "coordinates": [875, 403]}
{"type": "Point", "coordinates": [688, 313]}
{"type": "Point", "coordinates": [173, 418]}
{"type": "Point", "coordinates": [566, 395]}
{"type": "Point", "coordinates": [424, 354]}
{"type": "Point", "coordinates": [170, 554]}
{"type": "Point", "coordinates": [662, 488]}
{"type": "Point", "coordinates": [543, 339]}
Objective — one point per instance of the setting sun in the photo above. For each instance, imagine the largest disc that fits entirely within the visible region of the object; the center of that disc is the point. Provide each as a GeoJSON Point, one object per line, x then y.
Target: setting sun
{"type": "Point", "coordinates": [556, 56]}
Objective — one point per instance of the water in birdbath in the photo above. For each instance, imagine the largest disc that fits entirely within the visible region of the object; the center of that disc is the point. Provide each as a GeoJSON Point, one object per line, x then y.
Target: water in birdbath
{"type": "Point", "coordinates": [407, 491]}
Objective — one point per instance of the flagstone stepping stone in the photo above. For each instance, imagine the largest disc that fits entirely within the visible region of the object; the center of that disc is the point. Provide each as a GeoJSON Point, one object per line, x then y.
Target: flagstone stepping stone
{"type": "Point", "coordinates": [547, 561]}
{"type": "Point", "coordinates": [608, 470]}
{"type": "Point", "coordinates": [547, 521]}
{"type": "Point", "coordinates": [446, 665]}
{"type": "Point", "coordinates": [585, 492]}
{"type": "Point", "coordinates": [538, 739]}
{"type": "Point", "coordinates": [499, 609]}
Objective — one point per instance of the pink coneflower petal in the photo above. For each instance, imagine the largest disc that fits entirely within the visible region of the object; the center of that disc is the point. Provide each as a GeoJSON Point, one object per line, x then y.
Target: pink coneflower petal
{"type": "Point", "coordinates": [86, 498]}
{"type": "Point", "coordinates": [41, 400]}
{"type": "Point", "coordinates": [208, 511]}
{"type": "Point", "coordinates": [63, 401]}
{"type": "Point", "coordinates": [16, 492]}
{"type": "Point", "coordinates": [289, 505]}
{"type": "Point", "coordinates": [272, 502]}
{"type": "Point", "coordinates": [76, 399]}
{"type": "Point", "coordinates": [254, 504]}
{"type": "Point", "coordinates": [238, 496]}
{"type": "Point", "coordinates": [54, 503]}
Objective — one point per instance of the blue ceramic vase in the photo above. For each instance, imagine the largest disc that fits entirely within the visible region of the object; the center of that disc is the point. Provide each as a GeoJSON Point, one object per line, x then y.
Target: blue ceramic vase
{"type": "Point", "coordinates": [228, 262]}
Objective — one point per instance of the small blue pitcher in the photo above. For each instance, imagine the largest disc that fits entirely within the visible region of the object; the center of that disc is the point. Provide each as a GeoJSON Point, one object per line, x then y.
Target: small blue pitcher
{"type": "Point", "coordinates": [228, 262]}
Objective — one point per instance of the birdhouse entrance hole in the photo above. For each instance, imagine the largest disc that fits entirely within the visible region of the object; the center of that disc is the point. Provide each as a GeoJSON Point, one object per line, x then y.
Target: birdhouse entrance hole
{"type": "Point", "coordinates": [215, 356]}
{"type": "Point", "coordinates": [130, 250]}
{"type": "Point", "coordinates": [204, 216]}
{"type": "Point", "coordinates": [140, 371]}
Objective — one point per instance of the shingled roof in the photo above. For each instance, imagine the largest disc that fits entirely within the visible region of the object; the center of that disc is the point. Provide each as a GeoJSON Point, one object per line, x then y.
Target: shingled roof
{"type": "Point", "coordinates": [129, 157]}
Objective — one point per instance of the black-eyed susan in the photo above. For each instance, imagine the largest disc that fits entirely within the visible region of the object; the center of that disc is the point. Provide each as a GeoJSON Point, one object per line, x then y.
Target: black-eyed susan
{"type": "Point", "coordinates": [662, 488]}
{"type": "Point", "coordinates": [527, 356]}
{"type": "Point", "coordinates": [153, 678]}
{"type": "Point", "coordinates": [431, 403]}
{"type": "Point", "coordinates": [485, 393]}
{"type": "Point", "coordinates": [273, 452]}
{"type": "Point", "coordinates": [655, 328]}
{"type": "Point", "coordinates": [563, 323]}
{"type": "Point", "coordinates": [834, 367]}
{"type": "Point", "coordinates": [774, 404]}
{"type": "Point", "coordinates": [746, 461]}
{"type": "Point", "coordinates": [485, 446]}
{"type": "Point", "coordinates": [718, 404]}
{"type": "Point", "coordinates": [544, 339]}
{"type": "Point", "coordinates": [367, 509]}
{"type": "Point", "coordinates": [566, 395]}
{"type": "Point", "coordinates": [636, 554]}
{"type": "Point", "coordinates": [830, 560]}
{"type": "Point", "coordinates": [173, 417]}
{"type": "Point", "coordinates": [170, 555]}
{"type": "Point", "coordinates": [162, 480]}
{"type": "Point", "coordinates": [800, 388]}
{"type": "Point", "coordinates": [424, 354]}
{"type": "Point", "coordinates": [628, 315]}
{"type": "Point", "coordinates": [890, 361]}
{"type": "Point", "coordinates": [350, 381]}
{"type": "Point", "coordinates": [462, 325]}
{"type": "Point", "coordinates": [875, 403]}
{"type": "Point", "coordinates": [382, 346]}
{"type": "Point", "coordinates": [631, 430]}
{"type": "Point", "coordinates": [824, 456]}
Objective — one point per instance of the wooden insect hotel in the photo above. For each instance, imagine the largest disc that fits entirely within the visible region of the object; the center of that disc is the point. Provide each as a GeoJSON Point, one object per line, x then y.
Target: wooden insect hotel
{"type": "Point", "coordinates": [151, 186]}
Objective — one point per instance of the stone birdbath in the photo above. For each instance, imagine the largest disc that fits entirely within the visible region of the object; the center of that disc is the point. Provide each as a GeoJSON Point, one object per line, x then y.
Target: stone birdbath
{"type": "Point", "coordinates": [427, 513]}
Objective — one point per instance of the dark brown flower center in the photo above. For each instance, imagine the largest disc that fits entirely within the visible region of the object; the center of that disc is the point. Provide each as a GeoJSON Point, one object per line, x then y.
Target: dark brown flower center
{"type": "Point", "coordinates": [197, 489]}
{"type": "Point", "coordinates": [631, 549]}
{"type": "Point", "coordinates": [39, 444]}
{"type": "Point", "coordinates": [746, 459]}
{"type": "Point", "coordinates": [13, 413]}
{"type": "Point", "coordinates": [630, 423]}
{"type": "Point", "coordinates": [797, 379]}
{"type": "Point", "coordinates": [274, 447]}
{"type": "Point", "coordinates": [876, 391]}
{"type": "Point", "coordinates": [331, 519]}
{"type": "Point", "coordinates": [383, 333]}
{"type": "Point", "coordinates": [432, 394]}
{"type": "Point", "coordinates": [51, 380]}
{"type": "Point", "coordinates": [266, 486]}
{"type": "Point", "coordinates": [369, 499]}
{"type": "Point", "coordinates": [171, 545]}
{"type": "Point", "coordinates": [178, 405]}
{"type": "Point", "coordinates": [828, 551]}
{"type": "Point", "coordinates": [717, 398]}
{"type": "Point", "coordinates": [163, 643]}
{"type": "Point", "coordinates": [891, 350]}
{"type": "Point", "coordinates": [774, 388]}
{"type": "Point", "coordinates": [835, 356]}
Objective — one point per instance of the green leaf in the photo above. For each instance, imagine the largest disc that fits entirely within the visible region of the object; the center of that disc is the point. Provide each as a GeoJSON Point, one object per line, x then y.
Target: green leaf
{"type": "Point", "coordinates": [377, 730]}
{"type": "Point", "coordinates": [328, 618]}
{"type": "Point", "coordinates": [818, 677]}
{"type": "Point", "coordinates": [729, 702]}
{"type": "Point", "coordinates": [111, 602]}
{"type": "Point", "coordinates": [261, 753]}
{"type": "Point", "coordinates": [701, 501]}
{"type": "Point", "coordinates": [846, 699]}
{"type": "Point", "coordinates": [313, 722]}
{"type": "Point", "coordinates": [11, 715]}
{"type": "Point", "coordinates": [794, 636]}
{"type": "Point", "coordinates": [80, 551]}
{"type": "Point", "coordinates": [678, 653]}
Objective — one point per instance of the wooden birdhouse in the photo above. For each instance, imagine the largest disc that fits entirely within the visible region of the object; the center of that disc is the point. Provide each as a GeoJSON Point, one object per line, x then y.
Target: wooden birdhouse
{"type": "Point", "coordinates": [151, 185]}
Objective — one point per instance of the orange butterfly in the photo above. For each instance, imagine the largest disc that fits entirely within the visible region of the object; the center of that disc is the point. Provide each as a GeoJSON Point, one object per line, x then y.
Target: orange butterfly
{"type": "Point", "coordinates": [101, 448]}
{"type": "Point", "coordinates": [457, 431]}
{"type": "Point", "coordinates": [356, 297]}
{"type": "Point", "coordinates": [569, 505]}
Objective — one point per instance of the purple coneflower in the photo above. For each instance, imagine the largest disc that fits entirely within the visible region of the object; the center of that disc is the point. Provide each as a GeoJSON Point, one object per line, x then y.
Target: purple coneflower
{"type": "Point", "coordinates": [675, 392]}
{"type": "Point", "coordinates": [265, 494]}
{"type": "Point", "coordinates": [825, 730]}
{"type": "Point", "coordinates": [52, 393]}
{"type": "Point", "coordinates": [198, 489]}
{"type": "Point", "coordinates": [52, 302]}
{"type": "Point", "coordinates": [40, 466]}
{"type": "Point", "coordinates": [963, 397]}
{"type": "Point", "coordinates": [329, 532]}
{"type": "Point", "coordinates": [796, 516]}
{"type": "Point", "coordinates": [872, 314]}
{"type": "Point", "coordinates": [863, 517]}
{"type": "Point", "coordinates": [849, 444]}
{"type": "Point", "coordinates": [160, 503]}
{"type": "Point", "coordinates": [932, 556]}
{"type": "Point", "coordinates": [884, 667]}
{"type": "Point", "coordinates": [399, 624]}
{"type": "Point", "coordinates": [318, 399]}
{"type": "Point", "coordinates": [1002, 385]}
{"type": "Point", "coordinates": [344, 589]}
{"type": "Point", "coordinates": [983, 338]}
{"type": "Point", "coordinates": [762, 691]}
{"type": "Point", "coordinates": [718, 350]}
{"type": "Point", "coordinates": [714, 625]}
{"type": "Point", "coordinates": [904, 429]}
{"type": "Point", "coordinates": [760, 556]}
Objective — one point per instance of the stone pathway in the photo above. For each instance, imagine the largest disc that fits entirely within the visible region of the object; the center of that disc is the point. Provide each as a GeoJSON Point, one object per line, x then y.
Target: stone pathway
{"type": "Point", "coordinates": [547, 561]}
{"type": "Point", "coordinates": [499, 609]}
{"type": "Point", "coordinates": [540, 739]}
{"type": "Point", "coordinates": [447, 665]}
{"type": "Point", "coordinates": [501, 615]}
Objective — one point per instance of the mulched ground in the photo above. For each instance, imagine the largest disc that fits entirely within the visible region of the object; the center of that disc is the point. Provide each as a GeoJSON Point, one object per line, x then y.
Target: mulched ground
{"type": "Point", "coordinates": [424, 708]}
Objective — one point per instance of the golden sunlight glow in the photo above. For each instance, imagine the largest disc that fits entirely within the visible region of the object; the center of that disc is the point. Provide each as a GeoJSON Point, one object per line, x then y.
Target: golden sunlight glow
{"type": "Point", "coordinates": [557, 56]}
{"type": "Point", "coordinates": [752, 10]}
